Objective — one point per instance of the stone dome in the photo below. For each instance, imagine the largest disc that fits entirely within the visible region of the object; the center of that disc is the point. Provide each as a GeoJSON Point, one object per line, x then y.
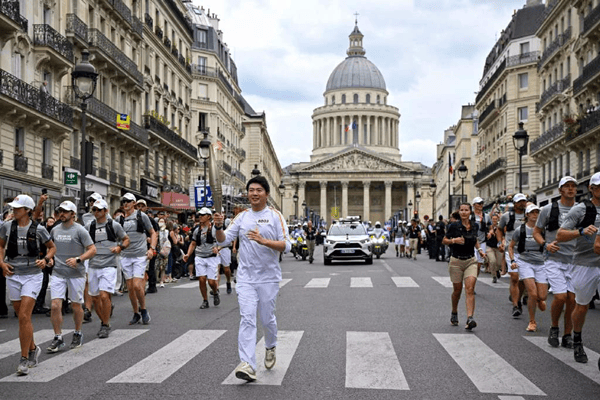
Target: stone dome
{"type": "Point", "coordinates": [356, 72]}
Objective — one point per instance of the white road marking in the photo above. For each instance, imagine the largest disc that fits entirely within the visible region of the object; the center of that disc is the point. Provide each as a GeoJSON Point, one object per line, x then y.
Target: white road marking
{"type": "Point", "coordinates": [287, 344]}
{"type": "Point", "coordinates": [284, 282]}
{"type": "Point", "coordinates": [68, 360]}
{"type": "Point", "coordinates": [361, 283]}
{"type": "Point", "coordinates": [160, 365]}
{"type": "Point", "coordinates": [511, 398]}
{"type": "Point", "coordinates": [489, 372]}
{"type": "Point", "coordinates": [14, 346]}
{"type": "Point", "coordinates": [193, 284]}
{"type": "Point", "coordinates": [318, 283]}
{"type": "Point", "coordinates": [497, 285]}
{"type": "Point", "coordinates": [404, 281]}
{"type": "Point", "coordinates": [386, 266]}
{"type": "Point", "coordinates": [371, 362]}
{"type": "Point", "coordinates": [590, 369]}
{"type": "Point", "coordinates": [443, 280]}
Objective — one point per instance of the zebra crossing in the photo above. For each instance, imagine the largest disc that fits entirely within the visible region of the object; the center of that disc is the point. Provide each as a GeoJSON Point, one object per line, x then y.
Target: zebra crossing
{"type": "Point", "coordinates": [371, 361]}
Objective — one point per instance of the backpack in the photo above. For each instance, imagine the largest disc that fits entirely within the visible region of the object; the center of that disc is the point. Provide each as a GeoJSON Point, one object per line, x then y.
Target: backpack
{"type": "Point", "coordinates": [12, 250]}
{"type": "Point", "coordinates": [110, 231]}
{"type": "Point", "coordinates": [522, 238]}
{"type": "Point", "coordinates": [209, 236]}
{"type": "Point", "coordinates": [140, 223]}
{"type": "Point", "coordinates": [590, 215]}
{"type": "Point", "coordinates": [482, 224]}
{"type": "Point", "coordinates": [553, 220]}
{"type": "Point", "coordinates": [510, 226]}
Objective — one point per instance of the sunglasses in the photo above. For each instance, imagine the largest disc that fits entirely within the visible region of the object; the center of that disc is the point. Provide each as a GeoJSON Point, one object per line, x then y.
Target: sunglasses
{"type": "Point", "coordinates": [96, 209]}
{"type": "Point", "coordinates": [124, 201]}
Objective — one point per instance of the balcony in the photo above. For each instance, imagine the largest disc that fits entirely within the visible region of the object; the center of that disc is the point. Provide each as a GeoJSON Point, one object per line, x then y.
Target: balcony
{"type": "Point", "coordinates": [490, 170]}
{"type": "Point", "coordinates": [589, 123]}
{"type": "Point", "coordinates": [183, 19]}
{"type": "Point", "coordinates": [226, 168]}
{"type": "Point", "coordinates": [102, 173]}
{"type": "Point", "coordinates": [21, 163]}
{"type": "Point", "coordinates": [77, 29]}
{"type": "Point", "coordinates": [241, 153]}
{"type": "Point", "coordinates": [158, 31]}
{"type": "Point", "coordinates": [137, 27]}
{"type": "Point", "coordinates": [122, 180]}
{"type": "Point", "coordinates": [61, 53]}
{"type": "Point", "coordinates": [113, 177]}
{"type": "Point", "coordinates": [35, 99]}
{"type": "Point", "coordinates": [120, 9]}
{"type": "Point", "coordinates": [167, 42]}
{"type": "Point", "coordinates": [47, 171]}
{"type": "Point", "coordinates": [175, 52]}
{"type": "Point", "coordinates": [554, 89]}
{"type": "Point", "coordinates": [204, 70]}
{"type": "Point", "coordinates": [133, 184]}
{"type": "Point", "coordinates": [591, 21]}
{"type": "Point", "coordinates": [239, 175]}
{"type": "Point", "coordinates": [75, 163]}
{"type": "Point", "coordinates": [11, 19]}
{"type": "Point", "coordinates": [225, 82]}
{"type": "Point", "coordinates": [149, 21]}
{"type": "Point", "coordinates": [489, 110]}
{"type": "Point", "coordinates": [557, 44]}
{"type": "Point", "coordinates": [547, 137]}
{"type": "Point", "coordinates": [590, 71]}
{"type": "Point", "coordinates": [111, 53]}
{"type": "Point", "coordinates": [170, 136]}
{"type": "Point", "coordinates": [524, 58]}
{"type": "Point", "coordinates": [484, 89]}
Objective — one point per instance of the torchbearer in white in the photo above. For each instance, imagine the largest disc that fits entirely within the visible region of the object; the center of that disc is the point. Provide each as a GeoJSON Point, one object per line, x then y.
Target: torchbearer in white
{"type": "Point", "coordinates": [262, 233]}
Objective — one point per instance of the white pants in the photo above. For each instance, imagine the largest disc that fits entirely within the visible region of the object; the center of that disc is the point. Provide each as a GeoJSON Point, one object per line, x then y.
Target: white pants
{"type": "Point", "coordinates": [250, 297]}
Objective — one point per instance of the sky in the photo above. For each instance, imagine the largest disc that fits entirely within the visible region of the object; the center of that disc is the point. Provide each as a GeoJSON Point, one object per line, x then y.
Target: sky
{"type": "Point", "coordinates": [431, 54]}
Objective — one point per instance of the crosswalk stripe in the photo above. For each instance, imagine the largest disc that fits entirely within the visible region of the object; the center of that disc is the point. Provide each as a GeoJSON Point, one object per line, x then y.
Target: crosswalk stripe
{"type": "Point", "coordinates": [284, 282]}
{"type": "Point", "coordinates": [589, 369]}
{"type": "Point", "coordinates": [404, 281]}
{"type": "Point", "coordinates": [190, 285]}
{"type": "Point", "coordinates": [70, 359]}
{"type": "Point", "coordinates": [361, 283]}
{"type": "Point", "coordinates": [372, 363]}
{"type": "Point", "coordinates": [489, 372]}
{"type": "Point", "coordinates": [443, 280]}
{"type": "Point", "coordinates": [318, 283]}
{"type": "Point", "coordinates": [163, 363]}
{"type": "Point", "coordinates": [287, 344]}
{"type": "Point", "coordinates": [497, 285]}
{"type": "Point", "coordinates": [14, 346]}
{"type": "Point", "coordinates": [511, 398]}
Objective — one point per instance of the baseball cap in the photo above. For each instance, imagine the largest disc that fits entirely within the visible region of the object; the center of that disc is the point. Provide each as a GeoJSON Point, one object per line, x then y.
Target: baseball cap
{"type": "Point", "coordinates": [67, 206]}
{"type": "Point", "coordinates": [22, 200]}
{"type": "Point", "coordinates": [128, 196]}
{"type": "Point", "coordinates": [100, 204]}
{"type": "Point", "coordinates": [477, 200]}
{"type": "Point", "coordinates": [530, 208]}
{"type": "Point", "coordinates": [519, 197]}
{"type": "Point", "coordinates": [94, 196]}
{"type": "Point", "coordinates": [141, 201]}
{"type": "Point", "coordinates": [595, 179]}
{"type": "Point", "coordinates": [205, 211]}
{"type": "Point", "coordinates": [566, 179]}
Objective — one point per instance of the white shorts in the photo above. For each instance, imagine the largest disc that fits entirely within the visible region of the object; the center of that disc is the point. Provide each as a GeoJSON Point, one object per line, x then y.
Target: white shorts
{"type": "Point", "coordinates": [225, 257]}
{"type": "Point", "coordinates": [59, 285]}
{"type": "Point", "coordinates": [508, 263]}
{"type": "Point", "coordinates": [559, 276]}
{"type": "Point", "coordinates": [586, 280]}
{"type": "Point", "coordinates": [102, 279]}
{"type": "Point", "coordinates": [535, 271]}
{"type": "Point", "coordinates": [134, 267]}
{"type": "Point", "coordinates": [399, 241]}
{"type": "Point", "coordinates": [478, 256]}
{"type": "Point", "coordinates": [24, 285]}
{"type": "Point", "coordinates": [207, 267]}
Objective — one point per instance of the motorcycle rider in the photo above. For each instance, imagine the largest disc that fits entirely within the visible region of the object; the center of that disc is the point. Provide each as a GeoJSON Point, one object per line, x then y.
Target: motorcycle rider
{"type": "Point", "coordinates": [311, 235]}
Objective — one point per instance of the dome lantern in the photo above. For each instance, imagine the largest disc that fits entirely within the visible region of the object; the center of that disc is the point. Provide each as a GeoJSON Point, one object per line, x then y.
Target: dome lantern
{"type": "Point", "coordinates": [355, 48]}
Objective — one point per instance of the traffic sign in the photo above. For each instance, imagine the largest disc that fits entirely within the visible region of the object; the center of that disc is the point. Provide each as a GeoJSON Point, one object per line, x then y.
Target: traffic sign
{"type": "Point", "coordinates": [199, 191]}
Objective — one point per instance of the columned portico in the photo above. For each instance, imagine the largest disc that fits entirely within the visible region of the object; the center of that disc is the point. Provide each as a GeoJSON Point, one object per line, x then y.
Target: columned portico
{"type": "Point", "coordinates": [366, 200]}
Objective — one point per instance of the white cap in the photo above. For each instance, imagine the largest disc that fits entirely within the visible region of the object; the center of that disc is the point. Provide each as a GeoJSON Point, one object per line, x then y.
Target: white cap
{"type": "Point", "coordinates": [566, 179]}
{"type": "Point", "coordinates": [530, 208]}
{"type": "Point", "coordinates": [100, 204]}
{"type": "Point", "coordinates": [94, 196]}
{"type": "Point", "coordinates": [128, 196]}
{"type": "Point", "coordinates": [477, 200]}
{"type": "Point", "coordinates": [22, 200]}
{"type": "Point", "coordinates": [519, 197]}
{"type": "Point", "coordinates": [68, 206]}
{"type": "Point", "coordinates": [595, 179]}
{"type": "Point", "coordinates": [205, 211]}
{"type": "Point", "coordinates": [141, 201]}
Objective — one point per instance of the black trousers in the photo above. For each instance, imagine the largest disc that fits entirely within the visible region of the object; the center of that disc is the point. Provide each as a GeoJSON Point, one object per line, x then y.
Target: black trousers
{"type": "Point", "coordinates": [432, 247]}
{"type": "Point", "coordinates": [3, 307]}
{"type": "Point", "coordinates": [152, 273]}
{"type": "Point", "coordinates": [441, 251]}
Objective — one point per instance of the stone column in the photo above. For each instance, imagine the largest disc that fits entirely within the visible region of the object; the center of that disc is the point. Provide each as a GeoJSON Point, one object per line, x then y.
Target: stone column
{"type": "Point", "coordinates": [366, 201]}
{"type": "Point", "coordinates": [315, 133]}
{"type": "Point", "coordinates": [388, 200]}
{"type": "Point", "coordinates": [323, 203]}
{"type": "Point", "coordinates": [376, 142]}
{"type": "Point", "coordinates": [344, 211]}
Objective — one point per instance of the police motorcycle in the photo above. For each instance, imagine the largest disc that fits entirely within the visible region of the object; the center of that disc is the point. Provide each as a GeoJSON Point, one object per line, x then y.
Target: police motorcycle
{"type": "Point", "coordinates": [299, 245]}
{"type": "Point", "coordinates": [379, 240]}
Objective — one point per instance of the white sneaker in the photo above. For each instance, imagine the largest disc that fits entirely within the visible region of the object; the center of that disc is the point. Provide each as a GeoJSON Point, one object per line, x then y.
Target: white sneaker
{"type": "Point", "coordinates": [246, 372]}
{"type": "Point", "coordinates": [270, 358]}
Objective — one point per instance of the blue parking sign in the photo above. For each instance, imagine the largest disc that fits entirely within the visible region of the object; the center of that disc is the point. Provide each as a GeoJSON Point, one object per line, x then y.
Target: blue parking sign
{"type": "Point", "coordinates": [200, 195]}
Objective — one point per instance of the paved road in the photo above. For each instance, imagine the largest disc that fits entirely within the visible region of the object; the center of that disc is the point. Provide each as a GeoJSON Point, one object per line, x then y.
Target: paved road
{"type": "Point", "coordinates": [347, 331]}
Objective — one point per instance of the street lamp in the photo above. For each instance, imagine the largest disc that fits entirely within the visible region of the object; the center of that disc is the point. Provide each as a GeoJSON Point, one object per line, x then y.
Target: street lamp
{"type": "Point", "coordinates": [295, 205]}
{"type": "Point", "coordinates": [281, 191]}
{"type": "Point", "coordinates": [204, 151]}
{"type": "Point", "coordinates": [83, 81]}
{"type": "Point", "coordinates": [410, 204]}
{"type": "Point", "coordinates": [520, 140]}
{"type": "Point", "coordinates": [432, 187]}
{"type": "Point", "coordinates": [304, 210]}
{"type": "Point", "coordinates": [255, 172]}
{"type": "Point", "coordinates": [417, 200]}
{"type": "Point", "coordinates": [462, 174]}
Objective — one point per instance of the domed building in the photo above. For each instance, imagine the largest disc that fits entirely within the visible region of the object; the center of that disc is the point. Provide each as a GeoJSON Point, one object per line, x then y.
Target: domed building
{"type": "Point", "coordinates": [355, 167]}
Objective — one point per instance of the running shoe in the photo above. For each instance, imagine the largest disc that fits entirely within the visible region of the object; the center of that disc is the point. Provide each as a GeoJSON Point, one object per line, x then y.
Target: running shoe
{"type": "Point", "coordinates": [553, 337]}
{"type": "Point", "coordinates": [216, 299]}
{"type": "Point", "coordinates": [494, 279]}
{"type": "Point", "coordinates": [270, 358]}
{"type": "Point", "coordinates": [87, 315]}
{"type": "Point", "coordinates": [77, 340]}
{"type": "Point", "coordinates": [470, 324]}
{"type": "Point", "coordinates": [246, 372]}
{"type": "Point", "coordinates": [516, 312]}
{"type": "Point", "coordinates": [145, 317]}
{"type": "Point", "coordinates": [22, 368]}
{"type": "Point", "coordinates": [228, 287]}
{"type": "Point", "coordinates": [34, 355]}
{"type": "Point", "coordinates": [104, 331]}
{"type": "Point", "coordinates": [567, 342]}
{"type": "Point", "coordinates": [532, 327]}
{"type": "Point", "coordinates": [136, 319]}
{"type": "Point", "coordinates": [57, 344]}
{"type": "Point", "coordinates": [204, 305]}
{"type": "Point", "coordinates": [454, 319]}
{"type": "Point", "coordinates": [579, 353]}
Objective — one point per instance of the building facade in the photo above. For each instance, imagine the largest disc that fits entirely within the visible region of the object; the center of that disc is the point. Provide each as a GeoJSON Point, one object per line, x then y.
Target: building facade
{"type": "Point", "coordinates": [465, 133]}
{"type": "Point", "coordinates": [444, 176]}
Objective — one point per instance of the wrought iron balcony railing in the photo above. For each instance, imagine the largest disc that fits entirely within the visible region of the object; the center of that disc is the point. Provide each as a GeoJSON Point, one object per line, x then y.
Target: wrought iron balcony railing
{"type": "Point", "coordinates": [75, 163]}
{"type": "Point", "coordinates": [122, 180]}
{"type": "Point", "coordinates": [204, 70]}
{"type": "Point", "coordinates": [113, 177]}
{"type": "Point", "coordinates": [133, 184]}
{"type": "Point", "coordinates": [524, 58]}
{"type": "Point", "coordinates": [102, 173]}
{"type": "Point", "coordinates": [12, 9]}
{"type": "Point", "coordinates": [45, 35]}
{"type": "Point", "coordinates": [170, 136]}
{"type": "Point", "coordinates": [490, 169]}
{"type": "Point", "coordinates": [34, 98]}
{"type": "Point", "coordinates": [47, 171]}
{"type": "Point", "coordinates": [554, 89]}
{"type": "Point", "coordinates": [77, 27]}
{"type": "Point", "coordinates": [21, 163]}
{"type": "Point", "coordinates": [589, 71]}
{"type": "Point", "coordinates": [547, 137]}
{"type": "Point", "coordinates": [149, 21]}
{"type": "Point", "coordinates": [121, 9]}
{"type": "Point", "coordinates": [591, 20]}
{"type": "Point", "coordinates": [158, 31]}
{"type": "Point", "coordinates": [167, 42]}
{"type": "Point", "coordinates": [227, 168]}
{"type": "Point", "coordinates": [589, 122]}
{"type": "Point", "coordinates": [491, 81]}
{"type": "Point", "coordinates": [558, 42]}
{"type": "Point", "coordinates": [137, 26]}
{"type": "Point", "coordinates": [489, 110]}
{"type": "Point", "coordinates": [100, 41]}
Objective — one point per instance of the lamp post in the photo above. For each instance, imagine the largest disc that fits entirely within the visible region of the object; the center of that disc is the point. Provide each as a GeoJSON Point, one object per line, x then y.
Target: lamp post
{"type": "Point", "coordinates": [281, 191]}
{"type": "Point", "coordinates": [520, 140]}
{"type": "Point", "coordinates": [417, 200]}
{"type": "Point", "coordinates": [410, 204]}
{"type": "Point", "coordinates": [204, 151]}
{"type": "Point", "coordinates": [462, 174]}
{"type": "Point", "coordinates": [295, 206]}
{"type": "Point", "coordinates": [304, 211]}
{"type": "Point", "coordinates": [83, 81]}
{"type": "Point", "coordinates": [255, 172]}
{"type": "Point", "coordinates": [432, 187]}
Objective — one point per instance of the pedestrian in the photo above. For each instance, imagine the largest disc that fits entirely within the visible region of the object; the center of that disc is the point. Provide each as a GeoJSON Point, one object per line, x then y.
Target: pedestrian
{"type": "Point", "coordinates": [558, 260]}
{"type": "Point", "coordinates": [461, 236]}
{"type": "Point", "coordinates": [414, 237]}
{"type": "Point", "coordinates": [102, 272]}
{"type": "Point", "coordinates": [86, 219]}
{"type": "Point", "coordinates": [150, 275]}
{"type": "Point", "coordinates": [164, 246]}
{"type": "Point", "coordinates": [262, 233]}
{"type": "Point", "coordinates": [23, 271]}
{"type": "Point", "coordinates": [73, 246]}
{"type": "Point", "coordinates": [311, 237]}
{"type": "Point", "coordinates": [399, 232]}
{"type": "Point", "coordinates": [483, 221]}
{"type": "Point", "coordinates": [582, 223]}
{"type": "Point", "coordinates": [225, 263]}
{"type": "Point", "coordinates": [494, 255]}
{"type": "Point", "coordinates": [440, 232]}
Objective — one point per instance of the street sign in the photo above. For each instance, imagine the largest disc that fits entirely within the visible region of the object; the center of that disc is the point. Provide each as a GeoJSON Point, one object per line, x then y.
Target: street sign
{"type": "Point", "coordinates": [199, 195]}
{"type": "Point", "coordinates": [70, 178]}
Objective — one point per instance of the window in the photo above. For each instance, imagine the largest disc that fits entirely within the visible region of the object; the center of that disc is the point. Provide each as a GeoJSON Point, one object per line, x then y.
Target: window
{"type": "Point", "coordinates": [202, 91]}
{"type": "Point", "coordinates": [201, 37]}
{"type": "Point", "coordinates": [523, 81]}
{"type": "Point", "coordinates": [113, 159]}
{"type": "Point", "coordinates": [522, 114]}
{"type": "Point", "coordinates": [524, 48]}
{"type": "Point", "coordinates": [102, 155]}
{"type": "Point", "coordinates": [355, 98]}
{"type": "Point", "coordinates": [332, 100]}
{"type": "Point", "coordinates": [156, 162]}
{"type": "Point", "coordinates": [122, 162]}
{"type": "Point", "coordinates": [202, 65]}
{"type": "Point", "coordinates": [378, 99]}
{"type": "Point", "coordinates": [202, 121]}
{"type": "Point", "coordinates": [20, 141]}
{"type": "Point", "coordinates": [368, 98]}
{"type": "Point", "coordinates": [525, 179]}
{"type": "Point", "coordinates": [47, 151]}
{"type": "Point", "coordinates": [75, 144]}
{"type": "Point", "coordinates": [343, 99]}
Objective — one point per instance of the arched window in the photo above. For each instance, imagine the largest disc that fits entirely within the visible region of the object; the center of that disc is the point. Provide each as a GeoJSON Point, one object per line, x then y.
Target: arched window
{"type": "Point", "coordinates": [355, 98]}
{"type": "Point", "coordinates": [378, 99]}
{"type": "Point", "coordinates": [332, 99]}
{"type": "Point", "coordinates": [343, 99]}
{"type": "Point", "coordinates": [368, 98]}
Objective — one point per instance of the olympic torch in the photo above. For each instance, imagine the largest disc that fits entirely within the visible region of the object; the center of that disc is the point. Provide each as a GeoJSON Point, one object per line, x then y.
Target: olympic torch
{"type": "Point", "coordinates": [215, 181]}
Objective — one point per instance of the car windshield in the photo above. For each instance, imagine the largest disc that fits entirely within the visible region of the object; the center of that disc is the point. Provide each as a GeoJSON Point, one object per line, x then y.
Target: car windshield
{"type": "Point", "coordinates": [350, 229]}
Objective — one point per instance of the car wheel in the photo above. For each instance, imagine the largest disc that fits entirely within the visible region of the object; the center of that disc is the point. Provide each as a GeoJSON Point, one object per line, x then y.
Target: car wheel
{"type": "Point", "coordinates": [369, 260]}
{"type": "Point", "coordinates": [326, 261]}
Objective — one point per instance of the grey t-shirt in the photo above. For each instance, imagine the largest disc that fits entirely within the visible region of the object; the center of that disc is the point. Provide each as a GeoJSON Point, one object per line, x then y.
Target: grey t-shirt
{"type": "Point", "coordinates": [70, 242]}
{"type": "Point", "coordinates": [104, 258]}
{"type": "Point", "coordinates": [138, 247]}
{"type": "Point", "coordinates": [204, 249]}
{"type": "Point", "coordinates": [22, 264]}
{"type": "Point", "coordinates": [504, 221]}
{"type": "Point", "coordinates": [87, 218]}
{"type": "Point", "coordinates": [481, 235]}
{"type": "Point", "coordinates": [565, 254]}
{"type": "Point", "coordinates": [532, 253]}
{"type": "Point", "coordinates": [584, 247]}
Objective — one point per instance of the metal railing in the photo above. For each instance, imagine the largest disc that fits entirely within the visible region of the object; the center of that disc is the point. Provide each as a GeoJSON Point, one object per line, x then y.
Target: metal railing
{"type": "Point", "coordinates": [113, 177]}
{"type": "Point", "coordinates": [547, 137]}
{"type": "Point", "coordinates": [170, 136]}
{"type": "Point", "coordinates": [133, 184]}
{"type": "Point", "coordinates": [167, 42]}
{"type": "Point", "coordinates": [554, 89]}
{"type": "Point", "coordinates": [137, 26]}
{"type": "Point", "coordinates": [97, 39]}
{"type": "Point", "coordinates": [34, 98]}
{"type": "Point", "coordinates": [181, 17]}
{"type": "Point", "coordinates": [122, 180]}
{"type": "Point", "coordinates": [77, 27]}
{"type": "Point", "coordinates": [158, 31]}
{"type": "Point", "coordinates": [121, 9]}
{"type": "Point", "coordinates": [45, 35]}
{"type": "Point", "coordinates": [12, 9]}
{"type": "Point", "coordinates": [241, 153]}
{"type": "Point", "coordinates": [204, 70]}
{"type": "Point", "coordinates": [47, 171]}
{"type": "Point", "coordinates": [554, 46]}
{"type": "Point", "coordinates": [21, 163]}
{"type": "Point", "coordinates": [589, 122]}
{"type": "Point", "coordinates": [75, 163]}
{"type": "Point", "coordinates": [524, 58]}
{"type": "Point", "coordinates": [589, 71]}
{"type": "Point", "coordinates": [239, 175]}
{"type": "Point", "coordinates": [102, 173]}
{"type": "Point", "coordinates": [490, 169]}
{"type": "Point", "coordinates": [488, 111]}
{"type": "Point", "coordinates": [226, 168]}
{"type": "Point", "coordinates": [591, 20]}
{"type": "Point", "coordinates": [149, 21]}
{"type": "Point", "coordinates": [225, 82]}
{"type": "Point", "coordinates": [491, 81]}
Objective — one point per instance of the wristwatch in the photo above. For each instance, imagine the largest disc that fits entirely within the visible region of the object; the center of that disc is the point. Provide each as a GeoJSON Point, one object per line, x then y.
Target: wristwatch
{"type": "Point", "coordinates": [512, 261]}
{"type": "Point", "coordinates": [78, 260]}
{"type": "Point", "coordinates": [47, 260]}
{"type": "Point", "coordinates": [581, 231]}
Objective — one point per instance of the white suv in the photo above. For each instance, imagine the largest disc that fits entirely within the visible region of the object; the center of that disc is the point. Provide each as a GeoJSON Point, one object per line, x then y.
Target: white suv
{"type": "Point", "coordinates": [347, 240]}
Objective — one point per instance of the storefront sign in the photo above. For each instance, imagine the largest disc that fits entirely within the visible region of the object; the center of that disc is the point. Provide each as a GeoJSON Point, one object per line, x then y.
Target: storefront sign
{"type": "Point", "coordinates": [149, 189]}
{"type": "Point", "coordinates": [71, 178]}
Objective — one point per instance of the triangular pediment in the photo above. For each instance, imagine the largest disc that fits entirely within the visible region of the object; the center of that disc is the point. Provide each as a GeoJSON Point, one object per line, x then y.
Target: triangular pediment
{"type": "Point", "coordinates": [355, 160]}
